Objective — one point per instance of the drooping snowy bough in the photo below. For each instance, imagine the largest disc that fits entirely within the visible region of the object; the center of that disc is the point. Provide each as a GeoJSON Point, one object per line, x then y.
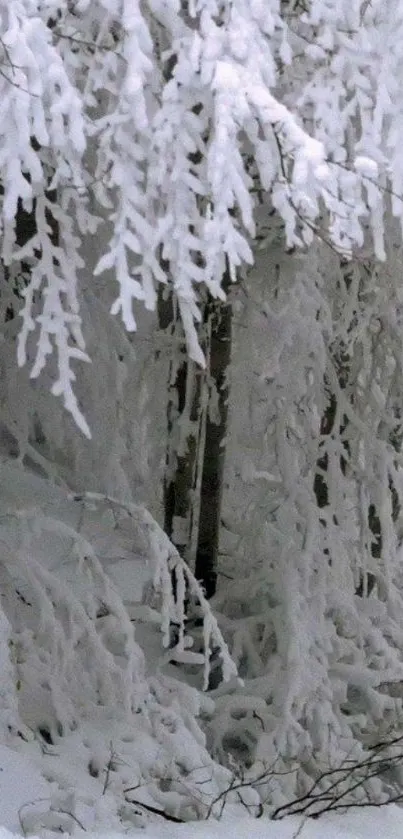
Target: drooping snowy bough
{"type": "Point", "coordinates": [164, 123]}
{"type": "Point", "coordinates": [74, 676]}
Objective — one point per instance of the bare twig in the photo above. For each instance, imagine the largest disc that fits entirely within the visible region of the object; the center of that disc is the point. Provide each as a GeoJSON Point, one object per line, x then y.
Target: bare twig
{"type": "Point", "coordinates": [316, 800]}
{"type": "Point", "coordinates": [72, 816]}
{"type": "Point", "coordinates": [109, 765]}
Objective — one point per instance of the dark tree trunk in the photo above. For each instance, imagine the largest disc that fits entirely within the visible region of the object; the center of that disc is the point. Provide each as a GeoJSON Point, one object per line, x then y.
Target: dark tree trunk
{"type": "Point", "coordinates": [183, 409]}
{"type": "Point", "coordinates": [214, 451]}
{"type": "Point", "coordinates": [197, 414]}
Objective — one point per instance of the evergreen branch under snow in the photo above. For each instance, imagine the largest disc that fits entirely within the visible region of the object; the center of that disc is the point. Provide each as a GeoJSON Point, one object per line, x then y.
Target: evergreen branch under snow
{"type": "Point", "coordinates": [168, 562]}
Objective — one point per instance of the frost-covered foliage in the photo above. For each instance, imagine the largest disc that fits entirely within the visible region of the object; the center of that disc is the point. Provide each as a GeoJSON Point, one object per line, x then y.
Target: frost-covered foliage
{"type": "Point", "coordinates": [142, 144]}
{"type": "Point", "coordinates": [315, 476]}
{"type": "Point", "coordinates": [166, 120]}
{"type": "Point", "coordinates": [121, 395]}
{"type": "Point", "coordinates": [77, 695]}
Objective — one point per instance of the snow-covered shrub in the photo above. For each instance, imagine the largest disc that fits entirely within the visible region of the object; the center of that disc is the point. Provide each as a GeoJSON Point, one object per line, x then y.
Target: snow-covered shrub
{"type": "Point", "coordinates": [109, 725]}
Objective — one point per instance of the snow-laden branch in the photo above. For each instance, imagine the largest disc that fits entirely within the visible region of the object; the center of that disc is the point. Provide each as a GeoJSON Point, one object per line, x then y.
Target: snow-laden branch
{"type": "Point", "coordinates": [171, 122]}
{"type": "Point", "coordinates": [174, 580]}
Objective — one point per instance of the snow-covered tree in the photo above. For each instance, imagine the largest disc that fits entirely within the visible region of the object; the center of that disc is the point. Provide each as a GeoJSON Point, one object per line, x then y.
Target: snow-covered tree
{"type": "Point", "coordinates": [314, 503]}
{"type": "Point", "coordinates": [158, 148]}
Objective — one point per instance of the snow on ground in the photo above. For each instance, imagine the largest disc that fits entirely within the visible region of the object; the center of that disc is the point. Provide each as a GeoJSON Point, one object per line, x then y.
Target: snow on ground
{"type": "Point", "coordinates": [23, 808]}
{"type": "Point", "coordinates": [383, 823]}
{"type": "Point", "coordinates": [20, 783]}
{"type": "Point", "coordinates": [22, 792]}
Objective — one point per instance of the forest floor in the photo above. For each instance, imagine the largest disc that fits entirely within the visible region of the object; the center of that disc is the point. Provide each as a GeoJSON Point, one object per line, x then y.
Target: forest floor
{"type": "Point", "coordinates": [23, 791]}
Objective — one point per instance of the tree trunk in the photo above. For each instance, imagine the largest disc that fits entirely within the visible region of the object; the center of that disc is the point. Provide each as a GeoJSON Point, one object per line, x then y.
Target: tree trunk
{"type": "Point", "coordinates": [196, 429]}
{"type": "Point", "coordinates": [183, 431]}
{"type": "Point", "coordinates": [214, 449]}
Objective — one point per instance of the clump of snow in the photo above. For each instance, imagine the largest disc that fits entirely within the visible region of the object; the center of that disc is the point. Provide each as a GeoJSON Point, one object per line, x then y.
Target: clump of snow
{"type": "Point", "coordinates": [366, 166]}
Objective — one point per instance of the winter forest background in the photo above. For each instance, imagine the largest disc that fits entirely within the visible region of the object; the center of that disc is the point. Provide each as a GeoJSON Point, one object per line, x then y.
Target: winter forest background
{"type": "Point", "coordinates": [201, 297]}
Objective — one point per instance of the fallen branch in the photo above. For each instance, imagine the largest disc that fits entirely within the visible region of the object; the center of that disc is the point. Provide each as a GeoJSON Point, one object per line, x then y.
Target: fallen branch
{"type": "Point", "coordinates": [156, 811]}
